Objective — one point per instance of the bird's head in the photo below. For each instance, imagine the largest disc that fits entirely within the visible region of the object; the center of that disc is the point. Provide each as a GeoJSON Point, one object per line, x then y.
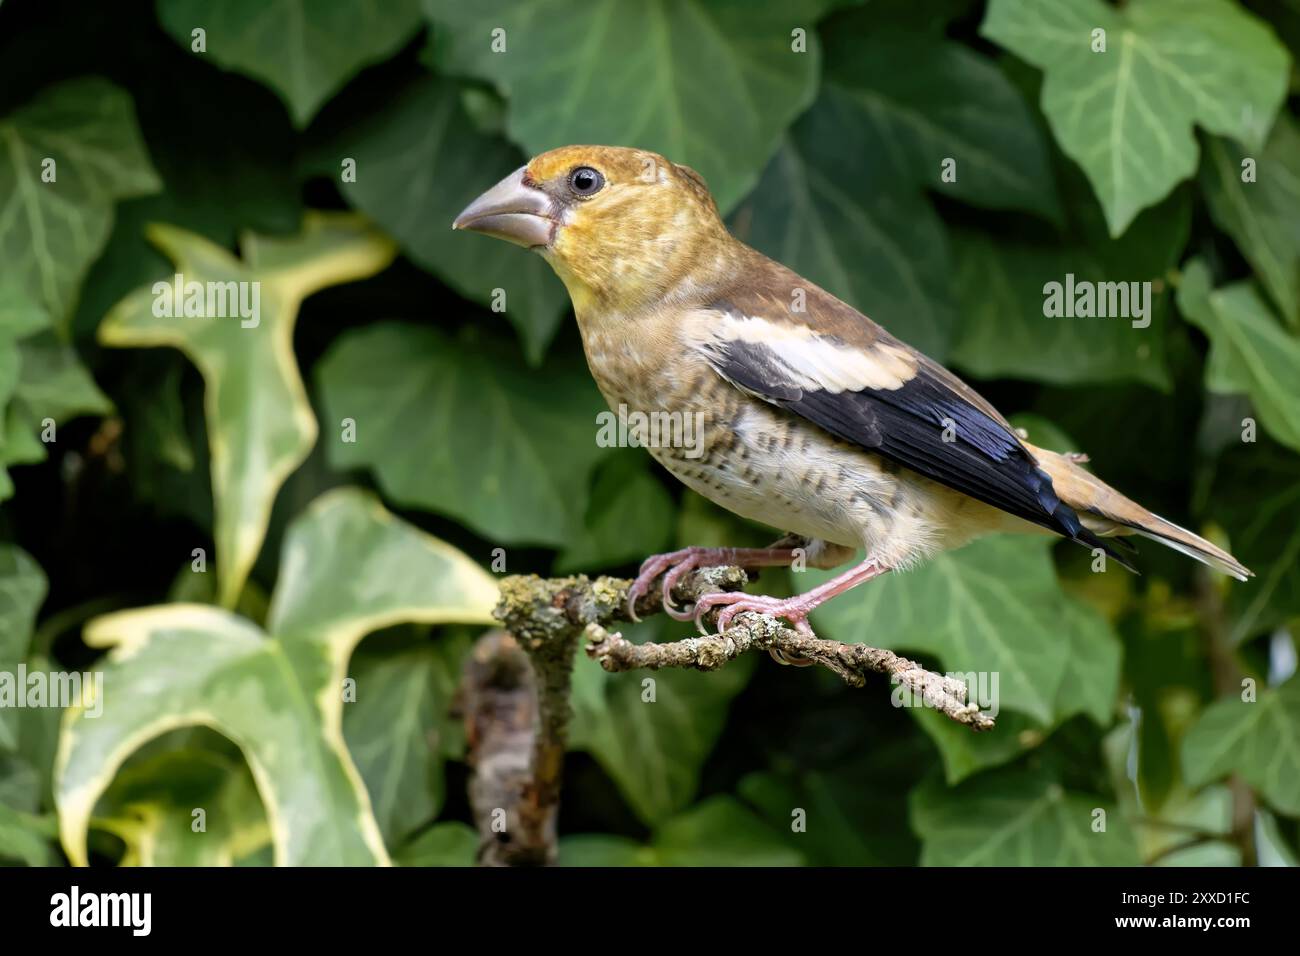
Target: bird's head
{"type": "Point", "coordinates": [616, 224]}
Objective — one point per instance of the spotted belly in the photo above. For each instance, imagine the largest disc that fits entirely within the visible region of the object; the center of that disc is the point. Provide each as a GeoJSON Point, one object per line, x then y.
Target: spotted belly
{"type": "Point", "coordinates": [772, 467]}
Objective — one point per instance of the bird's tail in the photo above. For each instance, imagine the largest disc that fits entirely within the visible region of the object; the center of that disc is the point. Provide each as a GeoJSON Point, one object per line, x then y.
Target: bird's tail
{"type": "Point", "coordinates": [1106, 512]}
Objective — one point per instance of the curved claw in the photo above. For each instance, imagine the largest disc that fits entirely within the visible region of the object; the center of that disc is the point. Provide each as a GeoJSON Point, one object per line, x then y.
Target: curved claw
{"type": "Point", "coordinates": [678, 571]}
{"type": "Point", "coordinates": [710, 601]}
{"type": "Point", "coordinates": [791, 610]}
{"type": "Point", "coordinates": [675, 563]}
{"type": "Point", "coordinates": [685, 614]}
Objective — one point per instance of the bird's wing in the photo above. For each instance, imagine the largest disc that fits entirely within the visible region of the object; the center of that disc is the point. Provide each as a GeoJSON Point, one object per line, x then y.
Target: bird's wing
{"type": "Point", "coordinates": [839, 370]}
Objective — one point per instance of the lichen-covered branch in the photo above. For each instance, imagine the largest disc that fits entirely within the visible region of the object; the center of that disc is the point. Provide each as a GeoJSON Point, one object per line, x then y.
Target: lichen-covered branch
{"type": "Point", "coordinates": [541, 610]}
{"type": "Point", "coordinates": [851, 662]}
{"type": "Point", "coordinates": [515, 691]}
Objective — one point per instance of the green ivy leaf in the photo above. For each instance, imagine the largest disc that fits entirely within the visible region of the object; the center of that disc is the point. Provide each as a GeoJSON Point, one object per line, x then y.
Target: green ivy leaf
{"type": "Point", "coordinates": [1090, 686]}
{"type": "Point", "coordinates": [712, 85]}
{"type": "Point", "coordinates": [54, 384]}
{"type": "Point", "coordinates": [420, 160]}
{"type": "Point", "coordinates": [630, 515]}
{"type": "Point", "coordinates": [216, 186]}
{"type": "Point", "coordinates": [260, 424]}
{"type": "Point", "coordinates": [882, 251]}
{"type": "Point", "coordinates": [305, 52]}
{"type": "Point", "coordinates": [1126, 115]}
{"type": "Point", "coordinates": [854, 812]}
{"type": "Point", "coordinates": [1257, 495]}
{"type": "Point", "coordinates": [1263, 216]}
{"type": "Point", "coordinates": [451, 843]}
{"type": "Point", "coordinates": [1002, 286]}
{"type": "Point", "coordinates": [895, 106]}
{"type": "Point", "coordinates": [1017, 819]}
{"type": "Point", "coordinates": [20, 783]}
{"type": "Point", "coordinates": [20, 314]}
{"type": "Point", "coordinates": [50, 232]}
{"type": "Point", "coordinates": [399, 732]}
{"type": "Point", "coordinates": [22, 838]}
{"type": "Point", "coordinates": [22, 590]}
{"type": "Point", "coordinates": [465, 430]}
{"type": "Point", "coordinates": [965, 754]}
{"type": "Point", "coordinates": [1250, 352]}
{"type": "Point", "coordinates": [922, 101]}
{"type": "Point", "coordinates": [1258, 739]}
{"type": "Point", "coordinates": [993, 607]}
{"type": "Point", "coordinates": [42, 380]}
{"type": "Point", "coordinates": [348, 568]}
{"type": "Point", "coordinates": [654, 750]}
{"type": "Point", "coordinates": [1164, 827]}
{"type": "Point", "coordinates": [718, 831]}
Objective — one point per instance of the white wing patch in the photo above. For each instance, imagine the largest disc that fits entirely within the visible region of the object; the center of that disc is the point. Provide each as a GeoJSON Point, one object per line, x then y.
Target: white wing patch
{"type": "Point", "coordinates": [806, 358]}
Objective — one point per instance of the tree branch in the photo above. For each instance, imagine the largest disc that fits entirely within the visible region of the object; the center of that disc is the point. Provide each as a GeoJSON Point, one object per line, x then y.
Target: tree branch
{"type": "Point", "coordinates": [539, 610]}
{"type": "Point", "coordinates": [515, 690]}
{"type": "Point", "coordinates": [497, 701]}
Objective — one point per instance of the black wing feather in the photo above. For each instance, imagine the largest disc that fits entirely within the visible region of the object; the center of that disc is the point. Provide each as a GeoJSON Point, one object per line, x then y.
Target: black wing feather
{"type": "Point", "coordinates": [907, 425]}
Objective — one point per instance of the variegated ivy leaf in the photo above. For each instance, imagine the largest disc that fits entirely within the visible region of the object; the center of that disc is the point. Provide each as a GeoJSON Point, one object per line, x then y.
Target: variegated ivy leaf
{"type": "Point", "coordinates": [1124, 87]}
{"type": "Point", "coordinates": [304, 51]}
{"type": "Point", "coordinates": [348, 568]}
{"type": "Point", "coordinates": [234, 319]}
{"type": "Point", "coordinates": [65, 159]}
{"type": "Point", "coordinates": [184, 807]}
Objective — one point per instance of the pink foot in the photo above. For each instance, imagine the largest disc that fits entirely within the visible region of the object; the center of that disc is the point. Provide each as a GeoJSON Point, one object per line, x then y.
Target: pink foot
{"type": "Point", "coordinates": [795, 609]}
{"type": "Point", "coordinates": [678, 563]}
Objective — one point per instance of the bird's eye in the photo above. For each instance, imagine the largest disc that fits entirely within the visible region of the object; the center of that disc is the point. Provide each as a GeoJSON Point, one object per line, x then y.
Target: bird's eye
{"type": "Point", "coordinates": [585, 181]}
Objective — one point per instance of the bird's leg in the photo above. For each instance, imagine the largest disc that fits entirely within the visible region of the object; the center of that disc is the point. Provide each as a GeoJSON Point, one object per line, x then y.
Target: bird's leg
{"type": "Point", "coordinates": [679, 563]}
{"type": "Point", "coordinates": [793, 609]}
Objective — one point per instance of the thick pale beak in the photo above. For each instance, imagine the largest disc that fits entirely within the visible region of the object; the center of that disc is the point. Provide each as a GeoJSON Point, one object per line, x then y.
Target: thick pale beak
{"type": "Point", "coordinates": [513, 211]}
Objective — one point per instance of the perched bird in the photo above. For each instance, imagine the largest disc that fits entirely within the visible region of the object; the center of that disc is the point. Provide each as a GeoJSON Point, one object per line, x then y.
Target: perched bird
{"type": "Point", "coordinates": [815, 419]}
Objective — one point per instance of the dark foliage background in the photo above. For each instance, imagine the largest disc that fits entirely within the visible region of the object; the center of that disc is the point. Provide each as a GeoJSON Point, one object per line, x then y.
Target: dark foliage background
{"type": "Point", "coordinates": [1144, 719]}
